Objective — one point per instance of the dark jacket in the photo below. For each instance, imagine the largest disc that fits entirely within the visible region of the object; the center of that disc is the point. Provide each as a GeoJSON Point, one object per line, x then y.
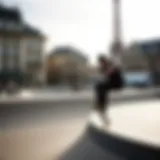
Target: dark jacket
{"type": "Point", "coordinates": [116, 79]}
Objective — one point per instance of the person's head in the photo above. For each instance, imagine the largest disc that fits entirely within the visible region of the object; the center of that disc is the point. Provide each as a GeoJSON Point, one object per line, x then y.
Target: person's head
{"type": "Point", "coordinates": [103, 60]}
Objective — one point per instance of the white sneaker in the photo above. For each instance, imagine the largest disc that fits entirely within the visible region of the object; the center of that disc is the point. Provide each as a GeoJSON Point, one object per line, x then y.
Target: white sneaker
{"type": "Point", "coordinates": [104, 118]}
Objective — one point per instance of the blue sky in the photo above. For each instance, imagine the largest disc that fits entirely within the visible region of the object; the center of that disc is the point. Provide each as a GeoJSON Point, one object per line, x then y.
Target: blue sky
{"type": "Point", "coordinates": [87, 23]}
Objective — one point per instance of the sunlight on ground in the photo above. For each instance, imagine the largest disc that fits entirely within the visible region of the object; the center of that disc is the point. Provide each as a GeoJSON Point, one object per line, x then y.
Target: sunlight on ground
{"type": "Point", "coordinates": [26, 94]}
{"type": "Point", "coordinates": [139, 121]}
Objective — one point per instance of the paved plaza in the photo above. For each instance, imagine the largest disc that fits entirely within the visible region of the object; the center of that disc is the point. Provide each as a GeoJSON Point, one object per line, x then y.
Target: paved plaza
{"type": "Point", "coordinates": [53, 131]}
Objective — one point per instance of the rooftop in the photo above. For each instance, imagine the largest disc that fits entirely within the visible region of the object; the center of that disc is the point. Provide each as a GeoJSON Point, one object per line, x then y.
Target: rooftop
{"type": "Point", "coordinates": [31, 31]}
{"type": "Point", "coordinates": [151, 46]}
{"type": "Point", "coordinates": [70, 51]}
{"type": "Point", "coordinates": [8, 13]}
{"type": "Point", "coordinates": [12, 14]}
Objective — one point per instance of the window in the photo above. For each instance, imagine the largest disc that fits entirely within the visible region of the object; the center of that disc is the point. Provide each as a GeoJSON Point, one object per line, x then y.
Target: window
{"type": "Point", "coordinates": [10, 63]}
{"type": "Point", "coordinates": [11, 53]}
{"type": "Point", "coordinates": [1, 45]}
{"type": "Point", "coordinates": [34, 45]}
{"type": "Point", "coordinates": [34, 58]}
{"type": "Point", "coordinates": [11, 25]}
{"type": "Point", "coordinates": [13, 47]}
{"type": "Point", "coordinates": [1, 24]}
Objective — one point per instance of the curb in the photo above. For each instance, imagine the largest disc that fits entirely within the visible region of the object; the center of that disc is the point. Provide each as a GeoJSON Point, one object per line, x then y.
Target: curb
{"type": "Point", "coordinates": [141, 95]}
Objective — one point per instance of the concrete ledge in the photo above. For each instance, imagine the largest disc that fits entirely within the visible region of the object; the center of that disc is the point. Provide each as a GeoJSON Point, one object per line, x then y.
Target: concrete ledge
{"type": "Point", "coordinates": [80, 97]}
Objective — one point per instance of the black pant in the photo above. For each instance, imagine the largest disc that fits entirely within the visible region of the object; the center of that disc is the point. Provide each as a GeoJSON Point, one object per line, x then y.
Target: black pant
{"type": "Point", "coordinates": [101, 95]}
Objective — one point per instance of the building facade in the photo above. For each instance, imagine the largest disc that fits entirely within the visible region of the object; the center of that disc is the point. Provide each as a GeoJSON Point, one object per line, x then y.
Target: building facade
{"type": "Point", "coordinates": [68, 62]}
{"type": "Point", "coordinates": [143, 56]}
{"type": "Point", "coordinates": [151, 50]}
{"type": "Point", "coordinates": [133, 59]}
{"type": "Point", "coordinates": [21, 49]}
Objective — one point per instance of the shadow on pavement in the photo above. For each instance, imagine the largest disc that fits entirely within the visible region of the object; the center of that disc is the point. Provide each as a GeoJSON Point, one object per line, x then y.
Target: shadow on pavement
{"type": "Point", "coordinates": [95, 144]}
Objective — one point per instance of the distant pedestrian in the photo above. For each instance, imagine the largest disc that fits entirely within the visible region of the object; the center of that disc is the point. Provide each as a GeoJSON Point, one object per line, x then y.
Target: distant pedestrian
{"type": "Point", "coordinates": [110, 78]}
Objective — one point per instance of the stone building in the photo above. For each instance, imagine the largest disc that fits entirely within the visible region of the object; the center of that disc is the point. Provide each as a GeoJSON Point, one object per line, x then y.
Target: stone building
{"type": "Point", "coordinates": [134, 60]}
{"type": "Point", "coordinates": [21, 49]}
{"type": "Point", "coordinates": [143, 56]}
{"type": "Point", "coordinates": [68, 61]}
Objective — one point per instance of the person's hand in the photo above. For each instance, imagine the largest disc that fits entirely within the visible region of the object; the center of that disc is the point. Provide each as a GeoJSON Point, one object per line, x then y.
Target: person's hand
{"type": "Point", "coordinates": [110, 70]}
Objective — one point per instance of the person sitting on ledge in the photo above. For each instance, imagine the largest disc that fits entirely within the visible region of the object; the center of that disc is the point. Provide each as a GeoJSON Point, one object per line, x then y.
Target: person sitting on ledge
{"type": "Point", "coordinates": [110, 78]}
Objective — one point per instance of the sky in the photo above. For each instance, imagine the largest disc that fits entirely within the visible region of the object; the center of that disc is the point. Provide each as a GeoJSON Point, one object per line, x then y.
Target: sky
{"type": "Point", "coordinates": [87, 24]}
